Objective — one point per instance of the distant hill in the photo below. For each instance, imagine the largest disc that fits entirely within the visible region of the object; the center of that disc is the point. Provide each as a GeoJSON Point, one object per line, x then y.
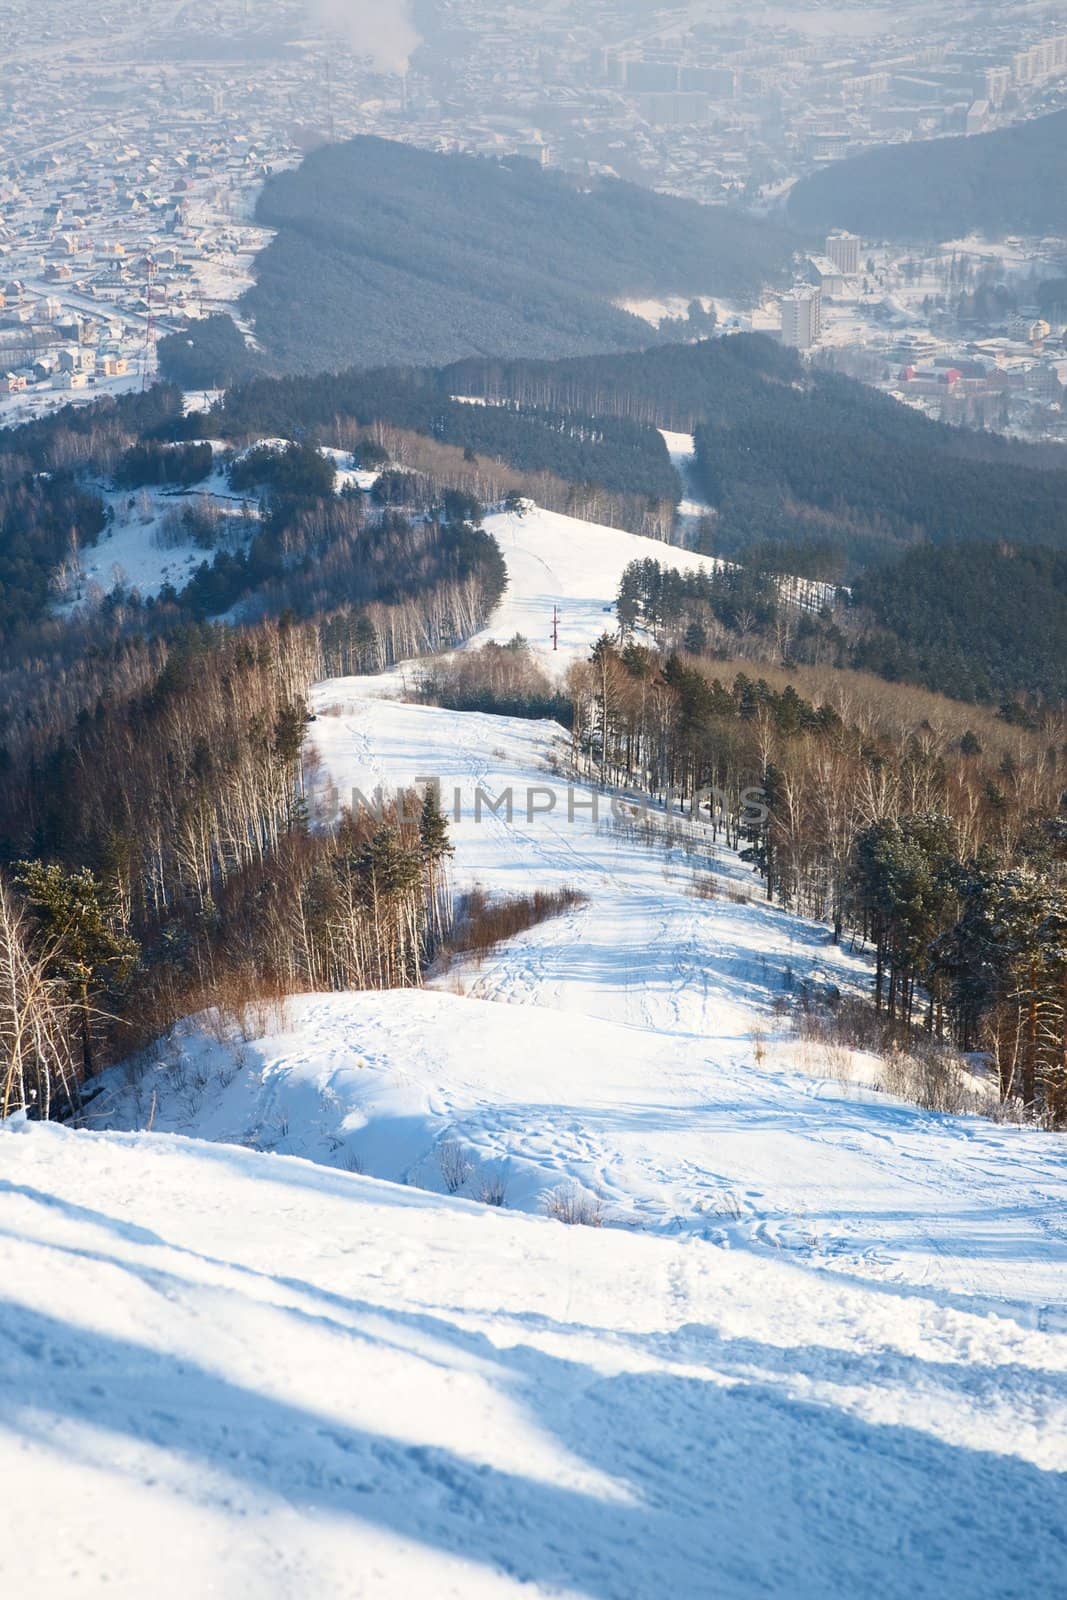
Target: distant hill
{"type": "Point", "coordinates": [386, 254]}
{"type": "Point", "coordinates": [1013, 181]}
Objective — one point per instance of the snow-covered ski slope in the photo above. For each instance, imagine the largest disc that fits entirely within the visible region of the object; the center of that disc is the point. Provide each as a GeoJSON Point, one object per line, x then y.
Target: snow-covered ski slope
{"type": "Point", "coordinates": [244, 1375]}
{"type": "Point", "coordinates": [817, 1351]}
{"type": "Point", "coordinates": [694, 1108]}
{"type": "Point", "coordinates": [672, 1134]}
{"type": "Point", "coordinates": [681, 447]}
{"type": "Point", "coordinates": [559, 561]}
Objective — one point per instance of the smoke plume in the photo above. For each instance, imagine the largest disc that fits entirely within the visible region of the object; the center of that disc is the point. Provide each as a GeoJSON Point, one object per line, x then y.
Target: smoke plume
{"type": "Point", "coordinates": [384, 30]}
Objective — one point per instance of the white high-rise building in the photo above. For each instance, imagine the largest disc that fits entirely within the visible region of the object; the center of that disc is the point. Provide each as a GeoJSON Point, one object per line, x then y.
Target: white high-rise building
{"type": "Point", "coordinates": [843, 250]}
{"type": "Point", "coordinates": [801, 318]}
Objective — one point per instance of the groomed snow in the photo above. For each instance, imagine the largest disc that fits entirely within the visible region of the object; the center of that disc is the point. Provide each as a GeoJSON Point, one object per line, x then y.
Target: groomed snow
{"type": "Point", "coordinates": [693, 506]}
{"type": "Point", "coordinates": [712, 1116]}
{"type": "Point", "coordinates": [246, 1375]}
{"type": "Point", "coordinates": [670, 1134]}
{"type": "Point", "coordinates": [555, 560]}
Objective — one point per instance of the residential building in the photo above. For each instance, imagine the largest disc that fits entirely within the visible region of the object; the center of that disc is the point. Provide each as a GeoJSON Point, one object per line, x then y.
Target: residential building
{"type": "Point", "coordinates": [843, 249]}
{"type": "Point", "coordinates": [802, 318]}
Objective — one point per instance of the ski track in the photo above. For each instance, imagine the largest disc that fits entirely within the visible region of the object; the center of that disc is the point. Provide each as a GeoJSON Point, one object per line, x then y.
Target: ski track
{"type": "Point", "coordinates": [560, 562]}
{"type": "Point", "coordinates": [653, 1000]}
{"type": "Point", "coordinates": [250, 1376]}
{"type": "Point", "coordinates": [817, 1352]}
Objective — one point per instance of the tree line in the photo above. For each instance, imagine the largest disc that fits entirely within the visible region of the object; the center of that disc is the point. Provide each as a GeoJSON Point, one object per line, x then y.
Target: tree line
{"type": "Point", "coordinates": [1000, 183]}
{"type": "Point", "coordinates": [616, 452]}
{"type": "Point", "coordinates": [159, 857]}
{"type": "Point", "coordinates": [926, 618]}
{"type": "Point", "coordinates": [384, 253]}
{"type": "Point", "coordinates": [952, 862]}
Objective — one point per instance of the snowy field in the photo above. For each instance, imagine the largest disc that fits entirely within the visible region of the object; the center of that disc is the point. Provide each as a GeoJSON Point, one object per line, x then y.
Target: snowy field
{"type": "Point", "coordinates": [242, 1375]}
{"type": "Point", "coordinates": [142, 549]}
{"type": "Point", "coordinates": [320, 1332]}
{"type": "Point", "coordinates": [136, 551]}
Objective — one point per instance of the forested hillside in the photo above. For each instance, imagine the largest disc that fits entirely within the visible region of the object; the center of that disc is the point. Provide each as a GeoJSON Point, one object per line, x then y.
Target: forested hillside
{"type": "Point", "coordinates": [770, 434]}
{"type": "Point", "coordinates": [575, 443]}
{"type": "Point", "coordinates": [211, 355]}
{"type": "Point", "coordinates": [389, 254]}
{"type": "Point", "coordinates": [975, 623]}
{"type": "Point", "coordinates": [808, 474]}
{"type": "Point", "coordinates": [1011, 181]}
{"type": "Point", "coordinates": [812, 471]}
{"type": "Point", "coordinates": [947, 617]}
{"type": "Point", "coordinates": [824, 463]}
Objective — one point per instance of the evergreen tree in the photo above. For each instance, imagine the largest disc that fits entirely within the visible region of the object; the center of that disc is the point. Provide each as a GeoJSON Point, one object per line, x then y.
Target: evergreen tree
{"type": "Point", "coordinates": [79, 919]}
{"type": "Point", "coordinates": [435, 847]}
{"type": "Point", "coordinates": [388, 884]}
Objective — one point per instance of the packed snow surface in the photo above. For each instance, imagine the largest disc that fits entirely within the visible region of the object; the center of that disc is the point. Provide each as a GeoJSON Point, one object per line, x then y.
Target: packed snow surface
{"type": "Point", "coordinates": [320, 1331]}
{"type": "Point", "coordinates": [632, 1045]}
{"type": "Point", "coordinates": [559, 561]}
{"type": "Point", "coordinates": [239, 1374]}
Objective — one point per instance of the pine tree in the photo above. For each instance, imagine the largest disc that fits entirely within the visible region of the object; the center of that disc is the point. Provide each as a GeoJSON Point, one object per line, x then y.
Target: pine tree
{"type": "Point", "coordinates": [78, 920]}
{"type": "Point", "coordinates": [435, 847]}
{"type": "Point", "coordinates": [1005, 962]}
{"type": "Point", "coordinates": [388, 883]}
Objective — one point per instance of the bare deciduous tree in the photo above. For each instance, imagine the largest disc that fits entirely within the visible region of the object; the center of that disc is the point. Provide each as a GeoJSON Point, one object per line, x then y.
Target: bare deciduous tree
{"type": "Point", "coordinates": [37, 1060]}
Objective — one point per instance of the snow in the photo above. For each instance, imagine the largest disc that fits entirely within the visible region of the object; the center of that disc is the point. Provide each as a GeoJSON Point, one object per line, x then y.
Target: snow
{"type": "Point", "coordinates": [632, 1045]}
{"type": "Point", "coordinates": [668, 308]}
{"type": "Point", "coordinates": [129, 551]}
{"type": "Point", "coordinates": [41, 400]}
{"type": "Point", "coordinates": [682, 450]}
{"type": "Point", "coordinates": [349, 476]}
{"type": "Point", "coordinates": [202, 399]}
{"type": "Point", "coordinates": [127, 555]}
{"type": "Point", "coordinates": [650, 1125]}
{"type": "Point", "coordinates": [555, 560]}
{"type": "Point", "coordinates": [232, 1373]}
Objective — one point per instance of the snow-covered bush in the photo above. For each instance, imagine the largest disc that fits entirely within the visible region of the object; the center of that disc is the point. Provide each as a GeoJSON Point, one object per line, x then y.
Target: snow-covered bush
{"type": "Point", "coordinates": [576, 1207]}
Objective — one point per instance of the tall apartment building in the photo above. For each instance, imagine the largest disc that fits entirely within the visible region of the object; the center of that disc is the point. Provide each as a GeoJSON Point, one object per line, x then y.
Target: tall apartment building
{"type": "Point", "coordinates": [801, 318]}
{"type": "Point", "coordinates": [652, 77]}
{"type": "Point", "coordinates": [1045, 60]}
{"type": "Point", "coordinates": [719, 82]}
{"type": "Point", "coordinates": [843, 249]}
{"type": "Point", "coordinates": [997, 83]}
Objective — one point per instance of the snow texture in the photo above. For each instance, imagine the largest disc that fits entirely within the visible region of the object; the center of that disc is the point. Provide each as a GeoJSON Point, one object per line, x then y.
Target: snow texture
{"type": "Point", "coordinates": [237, 1374]}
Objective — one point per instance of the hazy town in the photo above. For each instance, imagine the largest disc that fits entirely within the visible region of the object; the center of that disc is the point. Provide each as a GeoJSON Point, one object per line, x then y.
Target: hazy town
{"type": "Point", "coordinates": [129, 170]}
